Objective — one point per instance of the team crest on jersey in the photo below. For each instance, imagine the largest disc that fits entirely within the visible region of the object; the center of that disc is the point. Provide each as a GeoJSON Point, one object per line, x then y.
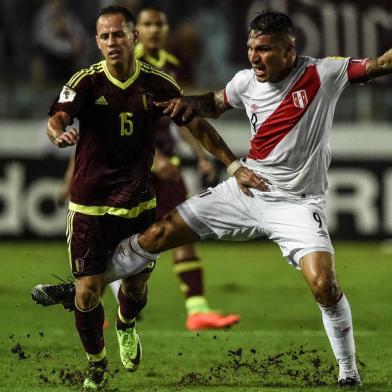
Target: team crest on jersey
{"type": "Point", "coordinates": [67, 95]}
{"type": "Point", "coordinates": [300, 98]}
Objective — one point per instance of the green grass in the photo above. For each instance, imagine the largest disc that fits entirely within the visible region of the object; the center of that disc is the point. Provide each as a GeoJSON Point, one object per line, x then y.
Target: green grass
{"type": "Point", "coordinates": [278, 346]}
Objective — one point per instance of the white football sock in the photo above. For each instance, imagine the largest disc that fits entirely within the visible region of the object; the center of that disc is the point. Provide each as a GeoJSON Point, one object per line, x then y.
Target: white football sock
{"type": "Point", "coordinates": [339, 328]}
{"type": "Point", "coordinates": [115, 286]}
{"type": "Point", "coordinates": [128, 259]}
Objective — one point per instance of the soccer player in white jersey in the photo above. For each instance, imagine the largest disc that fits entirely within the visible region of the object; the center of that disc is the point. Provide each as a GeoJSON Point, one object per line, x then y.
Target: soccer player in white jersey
{"type": "Point", "coordinates": [290, 102]}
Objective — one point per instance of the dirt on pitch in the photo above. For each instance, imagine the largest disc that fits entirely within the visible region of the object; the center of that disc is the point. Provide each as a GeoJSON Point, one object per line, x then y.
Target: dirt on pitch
{"type": "Point", "coordinates": [296, 367]}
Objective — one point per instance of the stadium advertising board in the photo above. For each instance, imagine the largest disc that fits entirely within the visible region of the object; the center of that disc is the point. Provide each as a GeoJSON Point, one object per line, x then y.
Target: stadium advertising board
{"type": "Point", "coordinates": [359, 205]}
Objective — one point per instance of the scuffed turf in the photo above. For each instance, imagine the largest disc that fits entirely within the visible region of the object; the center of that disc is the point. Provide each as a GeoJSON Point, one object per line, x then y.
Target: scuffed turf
{"type": "Point", "coordinates": [279, 345]}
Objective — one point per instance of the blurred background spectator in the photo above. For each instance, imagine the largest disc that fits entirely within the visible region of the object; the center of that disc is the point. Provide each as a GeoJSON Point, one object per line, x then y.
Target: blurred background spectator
{"type": "Point", "coordinates": [51, 42]}
{"type": "Point", "coordinates": [59, 40]}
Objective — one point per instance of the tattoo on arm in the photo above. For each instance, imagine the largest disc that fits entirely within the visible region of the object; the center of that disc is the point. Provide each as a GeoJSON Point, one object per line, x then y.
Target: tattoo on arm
{"type": "Point", "coordinates": [379, 66]}
{"type": "Point", "coordinates": [219, 100]}
{"type": "Point", "coordinates": [211, 105]}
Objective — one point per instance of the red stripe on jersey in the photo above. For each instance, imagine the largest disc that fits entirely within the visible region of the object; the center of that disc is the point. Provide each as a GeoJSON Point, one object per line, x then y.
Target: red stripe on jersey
{"type": "Point", "coordinates": [286, 115]}
{"type": "Point", "coordinates": [356, 70]}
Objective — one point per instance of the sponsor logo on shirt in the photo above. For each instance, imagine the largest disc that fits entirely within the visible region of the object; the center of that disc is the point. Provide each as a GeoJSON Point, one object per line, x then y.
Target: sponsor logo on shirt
{"type": "Point", "coordinates": [254, 108]}
{"type": "Point", "coordinates": [322, 233]}
{"type": "Point", "coordinates": [67, 95]}
{"type": "Point", "coordinates": [101, 101]}
{"type": "Point", "coordinates": [300, 99]}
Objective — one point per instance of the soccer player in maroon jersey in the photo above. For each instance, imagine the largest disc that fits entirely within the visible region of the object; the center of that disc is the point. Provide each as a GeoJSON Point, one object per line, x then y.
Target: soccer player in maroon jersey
{"type": "Point", "coordinates": [170, 188]}
{"type": "Point", "coordinates": [112, 195]}
{"type": "Point", "coordinates": [169, 185]}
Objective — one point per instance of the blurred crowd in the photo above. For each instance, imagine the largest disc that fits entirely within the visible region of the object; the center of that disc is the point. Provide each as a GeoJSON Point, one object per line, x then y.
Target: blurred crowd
{"type": "Point", "coordinates": [43, 42]}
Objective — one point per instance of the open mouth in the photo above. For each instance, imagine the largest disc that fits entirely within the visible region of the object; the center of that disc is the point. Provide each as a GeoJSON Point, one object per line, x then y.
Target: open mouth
{"type": "Point", "coordinates": [260, 72]}
{"type": "Point", "coordinates": [114, 54]}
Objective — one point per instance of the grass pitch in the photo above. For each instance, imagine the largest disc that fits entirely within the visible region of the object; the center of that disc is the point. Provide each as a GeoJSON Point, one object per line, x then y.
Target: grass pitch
{"type": "Point", "coordinates": [279, 345]}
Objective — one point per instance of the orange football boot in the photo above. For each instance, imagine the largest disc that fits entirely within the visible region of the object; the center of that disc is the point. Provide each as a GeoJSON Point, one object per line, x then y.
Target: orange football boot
{"type": "Point", "coordinates": [210, 320]}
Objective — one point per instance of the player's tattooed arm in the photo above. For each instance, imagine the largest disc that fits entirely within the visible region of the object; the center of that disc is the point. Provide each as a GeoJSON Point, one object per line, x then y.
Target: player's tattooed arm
{"type": "Point", "coordinates": [379, 66]}
{"type": "Point", "coordinates": [213, 142]}
{"type": "Point", "coordinates": [210, 105]}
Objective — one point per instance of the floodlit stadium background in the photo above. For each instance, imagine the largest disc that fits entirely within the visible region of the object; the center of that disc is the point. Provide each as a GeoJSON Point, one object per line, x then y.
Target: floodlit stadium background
{"type": "Point", "coordinates": [209, 37]}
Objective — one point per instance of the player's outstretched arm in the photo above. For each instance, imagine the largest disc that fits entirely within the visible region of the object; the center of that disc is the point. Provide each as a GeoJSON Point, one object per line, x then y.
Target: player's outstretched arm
{"type": "Point", "coordinates": [210, 105]}
{"type": "Point", "coordinates": [213, 143]}
{"type": "Point", "coordinates": [379, 66]}
{"type": "Point", "coordinates": [56, 130]}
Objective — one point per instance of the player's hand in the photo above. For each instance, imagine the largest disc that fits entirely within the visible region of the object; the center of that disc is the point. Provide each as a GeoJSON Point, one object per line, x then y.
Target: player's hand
{"type": "Point", "coordinates": [207, 169]}
{"type": "Point", "coordinates": [175, 106]}
{"type": "Point", "coordinates": [165, 170]}
{"type": "Point", "coordinates": [247, 178]}
{"type": "Point", "coordinates": [68, 138]}
{"type": "Point", "coordinates": [63, 194]}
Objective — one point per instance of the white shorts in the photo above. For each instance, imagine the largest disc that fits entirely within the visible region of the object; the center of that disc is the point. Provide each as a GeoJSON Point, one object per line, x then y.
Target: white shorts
{"type": "Point", "coordinates": [297, 225]}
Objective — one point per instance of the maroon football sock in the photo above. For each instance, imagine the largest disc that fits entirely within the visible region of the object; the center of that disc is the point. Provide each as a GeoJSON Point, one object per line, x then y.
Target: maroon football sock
{"type": "Point", "coordinates": [190, 273]}
{"type": "Point", "coordinates": [90, 327]}
{"type": "Point", "coordinates": [129, 308]}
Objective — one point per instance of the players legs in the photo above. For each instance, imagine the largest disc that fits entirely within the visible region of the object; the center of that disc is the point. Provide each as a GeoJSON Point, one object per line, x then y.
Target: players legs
{"type": "Point", "coordinates": [89, 318]}
{"type": "Point", "coordinates": [318, 269]}
{"type": "Point", "coordinates": [187, 265]}
{"type": "Point", "coordinates": [189, 269]}
{"type": "Point", "coordinates": [90, 238]}
{"type": "Point", "coordinates": [132, 298]}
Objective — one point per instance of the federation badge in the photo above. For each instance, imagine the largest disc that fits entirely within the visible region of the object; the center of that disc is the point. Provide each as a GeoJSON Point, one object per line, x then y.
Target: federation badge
{"type": "Point", "coordinates": [67, 95]}
{"type": "Point", "coordinates": [300, 99]}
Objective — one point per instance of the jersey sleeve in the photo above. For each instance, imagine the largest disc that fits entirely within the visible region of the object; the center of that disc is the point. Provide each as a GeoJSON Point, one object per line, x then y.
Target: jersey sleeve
{"type": "Point", "coordinates": [338, 72]}
{"type": "Point", "coordinates": [233, 90]}
{"type": "Point", "coordinates": [72, 97]}
{"type": "Point", "coordinates": [170, 89]}
{"type": "Point", "coordinates": [356, 70]}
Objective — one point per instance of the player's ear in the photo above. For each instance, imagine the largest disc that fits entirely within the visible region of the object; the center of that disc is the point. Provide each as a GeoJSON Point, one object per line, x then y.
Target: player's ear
{"type": "Point", "coordinates": [97, 41]}
{"type": "Point", "coordinates": [290, 49]}
{"type": "Point", "coordinates": [135, 35]}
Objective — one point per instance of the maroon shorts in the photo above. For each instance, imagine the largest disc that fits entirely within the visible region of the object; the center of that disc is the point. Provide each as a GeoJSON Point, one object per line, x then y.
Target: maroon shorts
{"type": "Point", "coordinates": [169, 195]}
{"type": "Point", "coordinates": [91, 238]}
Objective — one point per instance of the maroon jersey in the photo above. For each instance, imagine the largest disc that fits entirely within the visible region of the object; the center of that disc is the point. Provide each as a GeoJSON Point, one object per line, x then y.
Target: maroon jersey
{"type": "Point", "coordinates": [117, 137]}
{"type": "Point", "coordinates": [170, 65]}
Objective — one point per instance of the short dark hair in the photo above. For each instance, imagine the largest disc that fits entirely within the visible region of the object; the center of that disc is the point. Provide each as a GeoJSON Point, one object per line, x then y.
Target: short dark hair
{"type": "Point", "coordinates": [152, 8]}
{"type": "Point", "coordinates": [272, 22]}
{"type": "Point", "coordinates": [117, 9]}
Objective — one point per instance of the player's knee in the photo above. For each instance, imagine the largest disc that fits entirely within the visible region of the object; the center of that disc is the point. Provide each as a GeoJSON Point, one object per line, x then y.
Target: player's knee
{"type": "Point", "coordinates": [87, 296]}
{"type": "Point", "coordinates": [135, 295]}
{"type": "Point", "coordinates": [157, 235]}
{"type": "Point", "coordinates": [137, 288]}
{"type": "Point", "coordinates": [325, 290]}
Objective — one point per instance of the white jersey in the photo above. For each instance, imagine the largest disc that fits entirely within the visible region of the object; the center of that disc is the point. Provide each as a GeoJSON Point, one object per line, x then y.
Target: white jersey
{"type": "Point", "coordinates": [291, 121]}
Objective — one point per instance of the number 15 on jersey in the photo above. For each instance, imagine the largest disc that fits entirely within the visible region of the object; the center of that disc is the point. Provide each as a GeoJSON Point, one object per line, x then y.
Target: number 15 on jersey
{"type": "Point", "coordinates": [126, 123]}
